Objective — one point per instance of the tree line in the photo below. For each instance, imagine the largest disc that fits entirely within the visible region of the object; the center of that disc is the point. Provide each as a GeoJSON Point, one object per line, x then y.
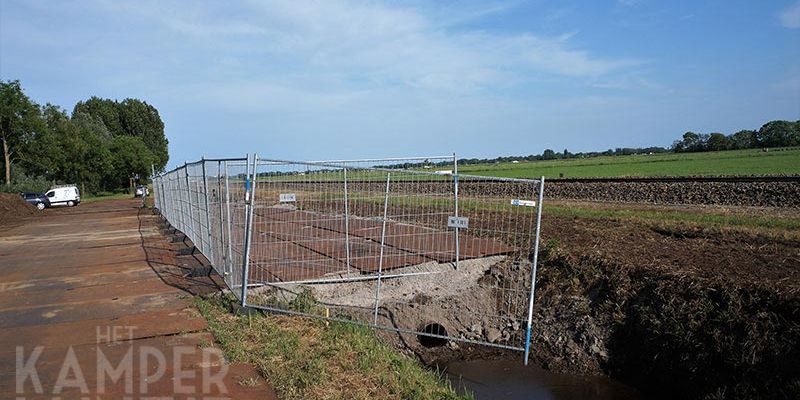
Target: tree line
{"type": "Point", "coordinates": [550, 154]}
{"type": "Point", "coordinates": [776, 133]}
{"type": "Point", "coordinates": [100, 146]}
{"type": "Point", "coordinates": [772, 134]}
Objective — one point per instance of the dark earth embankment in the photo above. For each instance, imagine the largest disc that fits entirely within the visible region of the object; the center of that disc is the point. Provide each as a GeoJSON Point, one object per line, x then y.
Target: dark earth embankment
{"type": "Point", "coordinates": [747, 193]}
{"type": "Point", "coordinates": [676, 310]}
{"type": "Point", "coordinates": [704, 313]}
{"type": "Point", "coordinates": [781, 192]}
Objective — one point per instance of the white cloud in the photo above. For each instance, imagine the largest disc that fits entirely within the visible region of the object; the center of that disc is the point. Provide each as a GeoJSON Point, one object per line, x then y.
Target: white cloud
{"type": "Point", "coordinates": [389, 45]}
{"type": "Point", "coordinates": [630, 82]}
{"type": "Point", "coordinates": [790, 17]}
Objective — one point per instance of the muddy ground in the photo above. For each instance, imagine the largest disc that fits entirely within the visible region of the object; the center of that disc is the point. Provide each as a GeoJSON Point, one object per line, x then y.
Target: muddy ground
{"type": "Point", "coordinates": [673, 309]}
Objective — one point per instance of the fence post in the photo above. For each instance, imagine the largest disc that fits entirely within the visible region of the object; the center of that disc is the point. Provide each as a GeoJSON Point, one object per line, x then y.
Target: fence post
{"type": "Point", "coordinates": [153, 181]}
{"type": "Point", "coordinates": [177, 207]}
{"type": "Point", "coordinates": [176, 184]}
{"type": "Point", "coordinates": [455, 196]}
{"type": "Point", "coordinates": [383, 239]}
{"type": "Point", "coordinates": [533, 269]}
{"type": "Point", "coordinates": [162, 194]}
{"type": "Point", "coordinates": [346, 223]}
{"type": "Point", "coordinates": [162, 197]}
{"type": "Point", "coordinates": [169, 212]}
{"type": "Point", "coordinates": [223, 256]}
{"type": "Point", "coordinates": [210, 249]}
{"type": "Point", "coordinates": [190, 225]}
{"type": "Point", "coordinates": [229, 261]}
{"type": "Point", "coordinates": [250, 194]}
{"type": "Point", "coordinates": [165, 197]}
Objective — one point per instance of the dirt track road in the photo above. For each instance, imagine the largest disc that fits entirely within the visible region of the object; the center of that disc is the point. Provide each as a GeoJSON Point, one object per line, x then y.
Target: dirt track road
{"type": "Point", "coordinates": [95, 303]}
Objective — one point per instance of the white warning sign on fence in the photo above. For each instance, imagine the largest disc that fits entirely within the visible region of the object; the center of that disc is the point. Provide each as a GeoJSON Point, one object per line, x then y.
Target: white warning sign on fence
{"type": "Point", "coordinates": [287, 198]}
{"type": "Point", "coordinates": [526, 203]}
{"type": "Point", "coordinates": [458, 222]}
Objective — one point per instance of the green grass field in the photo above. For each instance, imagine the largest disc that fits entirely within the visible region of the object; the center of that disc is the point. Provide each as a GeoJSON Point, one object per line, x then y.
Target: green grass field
{"type": "Point", "coordinates": [736, 162]}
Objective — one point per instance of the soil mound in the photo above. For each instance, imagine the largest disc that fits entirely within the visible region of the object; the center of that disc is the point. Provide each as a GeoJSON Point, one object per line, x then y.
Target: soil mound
{"type": "Point", "coordinates": [13, 208]}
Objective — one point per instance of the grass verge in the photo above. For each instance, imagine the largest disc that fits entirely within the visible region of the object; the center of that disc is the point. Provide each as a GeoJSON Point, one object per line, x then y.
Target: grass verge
{"type": "Point", "coordinates": [304, 358]}
{"type": "Point", "coordinates": [704, 219]}
{"type": "Point", "coordinates": [106, 196]}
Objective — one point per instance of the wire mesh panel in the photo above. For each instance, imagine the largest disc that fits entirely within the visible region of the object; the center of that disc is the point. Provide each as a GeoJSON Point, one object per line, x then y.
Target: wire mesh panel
{"type": "Point", "coordinates": [228, 218]}
{"type": "Point", "coordinates": [197, 209]}
{"type": "Point", "coordinates": [395, 248]}
{"type": "Point", "coordinates": [323, 220]}
{"type": "Point", "coordinates": [401, 244]}
{"type": "Point", "coordinates": [206, 201]}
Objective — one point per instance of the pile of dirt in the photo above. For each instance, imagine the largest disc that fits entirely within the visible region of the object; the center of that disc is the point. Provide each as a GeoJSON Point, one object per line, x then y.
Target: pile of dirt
{"type": "Point", "coordinates": [13, 209]}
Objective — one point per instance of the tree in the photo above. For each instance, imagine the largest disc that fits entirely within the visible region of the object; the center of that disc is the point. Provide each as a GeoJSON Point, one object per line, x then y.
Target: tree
{"type": "Point", "coordinates": [744, 139]}
{"type": "Point", "coordinates": [718, 142]}
{"type": "Point", "coordinates": [130, 159]}
{"type": "Point", "coordinates": [142, 120]}
{"type": "Point", "coordinates": [131, 117]}
{"type": "Point", "coordinates": [19, 119]}
{"type": "Point", "coordinates": [779, 134]}
{"type": "Point", "coordinates": [70, 150]}
{"type": "Point", "coordinates": [549, 155]}
{"type": "Point", "coordinates": [691, 142]}
{"type": "Point", "coordinates": [105, 110]}
{"type": "Point", "coordinates": [44, 153]}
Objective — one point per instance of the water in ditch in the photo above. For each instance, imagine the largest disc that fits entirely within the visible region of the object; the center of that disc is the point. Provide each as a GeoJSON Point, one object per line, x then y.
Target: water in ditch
{"type": "Point", "coordinates": [507, 379]}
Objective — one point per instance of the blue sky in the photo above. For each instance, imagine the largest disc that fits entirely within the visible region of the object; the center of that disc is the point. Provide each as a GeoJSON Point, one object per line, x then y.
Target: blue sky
{"type": "Point", "coordinates": [341, 79]}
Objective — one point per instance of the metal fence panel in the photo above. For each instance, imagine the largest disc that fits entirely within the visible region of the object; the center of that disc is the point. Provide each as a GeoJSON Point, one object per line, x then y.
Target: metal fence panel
{"type": "Point", "coordinates": [205, 201]}
{"type": "Point", "coordinates": [390, 243]}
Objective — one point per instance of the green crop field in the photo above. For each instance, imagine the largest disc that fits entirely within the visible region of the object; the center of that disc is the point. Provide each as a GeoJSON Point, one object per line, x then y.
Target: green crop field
{"type": "Point", "coordinates": [736, 162]}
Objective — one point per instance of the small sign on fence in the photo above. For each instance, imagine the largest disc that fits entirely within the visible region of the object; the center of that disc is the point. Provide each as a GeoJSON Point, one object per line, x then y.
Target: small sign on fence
{"type": "Point", "coordinates": [458, 222]}
{"type": "Point", "coordinates": [526, 203]}
{"type": "Point", "coordinates": [287, 198]}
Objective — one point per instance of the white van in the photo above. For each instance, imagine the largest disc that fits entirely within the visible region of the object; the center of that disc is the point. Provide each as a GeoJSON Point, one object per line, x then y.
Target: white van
{"type": "Point", "coordinates": [67, 195]}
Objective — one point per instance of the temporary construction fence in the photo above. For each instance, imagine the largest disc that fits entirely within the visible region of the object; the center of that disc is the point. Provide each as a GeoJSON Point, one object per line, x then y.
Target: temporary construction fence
{"type": "Point", "coordinates": [403, 244]}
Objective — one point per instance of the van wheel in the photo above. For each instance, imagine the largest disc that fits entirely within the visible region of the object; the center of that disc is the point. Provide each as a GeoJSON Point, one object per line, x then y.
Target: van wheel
{"type": "Point", "coordinates": [70, 203]}
{"type": "Point", "coordinates": [40, 206]}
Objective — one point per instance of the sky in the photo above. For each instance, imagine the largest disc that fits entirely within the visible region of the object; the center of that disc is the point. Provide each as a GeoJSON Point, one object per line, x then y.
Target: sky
{"type": "Point", "coordinates": [335, 79]}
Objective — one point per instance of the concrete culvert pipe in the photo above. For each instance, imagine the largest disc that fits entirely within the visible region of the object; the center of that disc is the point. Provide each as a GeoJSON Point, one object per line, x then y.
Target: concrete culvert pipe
{"type": "Point", "coordinates": [432, 328]}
